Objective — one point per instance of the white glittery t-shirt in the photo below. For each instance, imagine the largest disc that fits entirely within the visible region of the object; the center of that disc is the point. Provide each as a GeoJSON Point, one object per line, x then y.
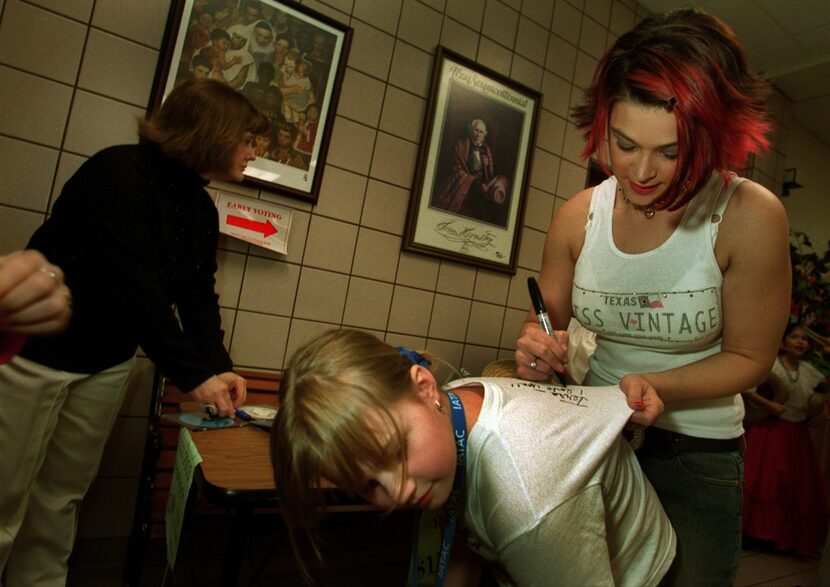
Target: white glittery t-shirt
{"type": "Point", "coordinates": [555, 495]}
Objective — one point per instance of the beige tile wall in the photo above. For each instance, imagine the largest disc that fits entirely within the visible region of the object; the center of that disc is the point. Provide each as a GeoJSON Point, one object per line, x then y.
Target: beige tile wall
{"type": "Point", "coordinates": [345, 266]}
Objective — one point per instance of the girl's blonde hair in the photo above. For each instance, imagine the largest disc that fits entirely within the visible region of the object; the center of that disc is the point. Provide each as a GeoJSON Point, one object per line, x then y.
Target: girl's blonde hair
{"type": "Point", "coordinates": [334, 394]}
{"type": "Point", "coordinates": [201, 123]}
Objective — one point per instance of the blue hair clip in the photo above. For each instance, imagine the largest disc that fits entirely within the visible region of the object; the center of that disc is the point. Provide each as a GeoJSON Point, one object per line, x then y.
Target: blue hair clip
{"type": "Point", "coordinates": [416, 358]}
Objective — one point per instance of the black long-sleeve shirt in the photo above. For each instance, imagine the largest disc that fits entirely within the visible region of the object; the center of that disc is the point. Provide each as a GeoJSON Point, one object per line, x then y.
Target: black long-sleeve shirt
{"type": "Point", "coordinates": [135, 232]}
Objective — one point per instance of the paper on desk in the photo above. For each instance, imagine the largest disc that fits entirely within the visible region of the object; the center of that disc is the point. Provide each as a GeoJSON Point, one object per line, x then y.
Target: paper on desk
{"type": "Point", "coordinates": [262, 416]}
{"type": "Point", "coordinates": [187, 457]}
{"type": "Point", "coordinates": [260, 411]}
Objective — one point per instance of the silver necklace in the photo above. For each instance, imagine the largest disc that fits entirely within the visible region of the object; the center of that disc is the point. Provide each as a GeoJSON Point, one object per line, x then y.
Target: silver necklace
{"type": "Point", "coordinates": [648, 211]}
{"type": "Point", "coordinates": [787, 372]}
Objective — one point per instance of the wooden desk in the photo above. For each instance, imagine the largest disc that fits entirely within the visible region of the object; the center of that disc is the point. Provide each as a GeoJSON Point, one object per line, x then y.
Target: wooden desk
{"type": "Point", "coordinates": [236, 481]}
{"type": "Point", "coordinates": [236, 473]}
{"type": "Point", "coordinates": [236, 465]}
{"type": "Point", "coordinates": [236, 462]}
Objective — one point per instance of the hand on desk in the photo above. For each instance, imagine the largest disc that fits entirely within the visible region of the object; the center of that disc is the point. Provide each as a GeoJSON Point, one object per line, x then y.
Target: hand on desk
{"type": "Point", "coordinates": [237, 386]}
{"type": "Point", "coordinates": [226, 391]}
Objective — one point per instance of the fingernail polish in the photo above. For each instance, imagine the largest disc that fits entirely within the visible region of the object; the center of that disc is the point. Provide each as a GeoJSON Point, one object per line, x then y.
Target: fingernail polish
{"type": "Point", "coordinates": [640, 405]}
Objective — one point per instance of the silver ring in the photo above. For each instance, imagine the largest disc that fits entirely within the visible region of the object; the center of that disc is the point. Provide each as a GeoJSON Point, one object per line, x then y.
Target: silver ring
{"type": "Point", "coordinates": [533, 364]}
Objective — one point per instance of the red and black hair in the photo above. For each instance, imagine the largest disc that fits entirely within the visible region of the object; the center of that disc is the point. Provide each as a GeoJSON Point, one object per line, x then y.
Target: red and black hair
{"type": "Point", "coordinates": [691, 64]}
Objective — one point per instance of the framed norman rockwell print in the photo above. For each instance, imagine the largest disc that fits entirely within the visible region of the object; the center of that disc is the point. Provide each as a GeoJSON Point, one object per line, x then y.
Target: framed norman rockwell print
{"type": "Point", "coordinates": [467, 202]}
{"type": "Point", "coordinates": [287, 59]}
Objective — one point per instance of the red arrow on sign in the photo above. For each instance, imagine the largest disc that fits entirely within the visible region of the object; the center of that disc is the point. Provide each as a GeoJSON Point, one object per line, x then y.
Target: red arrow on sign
{"type": "Point", "coordinates": [266, 228]}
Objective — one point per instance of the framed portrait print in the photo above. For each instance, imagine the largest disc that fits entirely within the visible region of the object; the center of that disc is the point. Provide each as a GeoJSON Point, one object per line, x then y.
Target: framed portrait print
{"type": "Point", "coordinates": [287, 59]}
{"type": "Point", "coordinates": [467, 201]}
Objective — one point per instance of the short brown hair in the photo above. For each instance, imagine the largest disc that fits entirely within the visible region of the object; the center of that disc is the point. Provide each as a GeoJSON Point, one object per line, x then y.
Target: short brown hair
{"type": "Point", "coordinates": [201, 123]}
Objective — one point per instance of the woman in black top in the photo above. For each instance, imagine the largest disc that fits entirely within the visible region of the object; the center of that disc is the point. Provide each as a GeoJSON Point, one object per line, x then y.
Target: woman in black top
{"type": "Point", "coordinates": [135, 233]}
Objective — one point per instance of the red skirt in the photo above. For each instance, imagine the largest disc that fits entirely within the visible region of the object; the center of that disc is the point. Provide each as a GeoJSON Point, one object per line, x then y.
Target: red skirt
{"type": "Point", "coordinates": [785, 497]}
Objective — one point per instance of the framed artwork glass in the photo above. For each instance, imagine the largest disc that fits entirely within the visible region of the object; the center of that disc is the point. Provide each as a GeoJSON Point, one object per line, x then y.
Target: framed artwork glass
{"type": "Point", "coordinates": [286, 58]}
{"type": "Point", "coordinates": [467, 202]}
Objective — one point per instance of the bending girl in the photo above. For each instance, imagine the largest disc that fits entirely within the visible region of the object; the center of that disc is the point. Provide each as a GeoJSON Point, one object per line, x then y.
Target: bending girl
{"type": "Point", "coordinates": [545, 489]}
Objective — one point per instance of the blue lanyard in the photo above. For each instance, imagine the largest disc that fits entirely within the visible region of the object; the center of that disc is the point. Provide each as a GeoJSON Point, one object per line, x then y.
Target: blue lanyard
{"type": "Point", "coordinates": [459, 425]}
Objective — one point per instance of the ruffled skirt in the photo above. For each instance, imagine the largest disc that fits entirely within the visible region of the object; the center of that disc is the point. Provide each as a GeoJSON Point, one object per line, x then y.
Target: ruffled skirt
{"type": "Point", "coordinates": [785, 497]}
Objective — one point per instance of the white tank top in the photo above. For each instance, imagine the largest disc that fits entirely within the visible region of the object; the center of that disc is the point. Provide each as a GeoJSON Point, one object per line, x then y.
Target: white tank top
{"type": "Point", "coordinates": [660, 309]}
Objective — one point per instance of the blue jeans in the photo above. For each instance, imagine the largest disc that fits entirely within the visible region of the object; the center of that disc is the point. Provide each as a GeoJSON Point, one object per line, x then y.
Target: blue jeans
{"type": "Point", "coordinates": [702, 494]}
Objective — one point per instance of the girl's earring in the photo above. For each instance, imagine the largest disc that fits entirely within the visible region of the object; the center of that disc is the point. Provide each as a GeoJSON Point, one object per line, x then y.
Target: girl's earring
{"type": "Point", "coordinates": [438, 406]}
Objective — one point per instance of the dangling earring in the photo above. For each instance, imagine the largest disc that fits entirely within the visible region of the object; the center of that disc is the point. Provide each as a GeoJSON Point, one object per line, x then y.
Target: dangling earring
{"type": "Point", "coordinates": [438, 406]}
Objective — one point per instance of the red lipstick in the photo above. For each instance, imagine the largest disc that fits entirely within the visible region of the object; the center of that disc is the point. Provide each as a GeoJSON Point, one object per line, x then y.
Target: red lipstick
{"type": "Point", "coordinates": [643, 190]}
{"type": "Point", "coordinates": [424, 500]}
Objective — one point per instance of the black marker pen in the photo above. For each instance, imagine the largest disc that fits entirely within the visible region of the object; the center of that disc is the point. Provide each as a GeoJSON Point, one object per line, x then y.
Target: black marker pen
{"type": "Point", "coordinates": [539, 306]}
